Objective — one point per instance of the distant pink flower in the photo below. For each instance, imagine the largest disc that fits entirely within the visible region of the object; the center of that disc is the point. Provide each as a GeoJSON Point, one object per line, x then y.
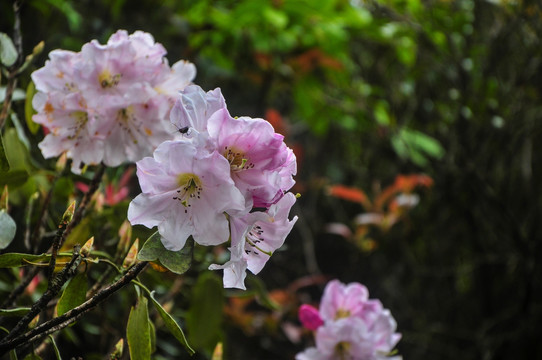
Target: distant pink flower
{"type": "Point", "coordinates": [310, 317]}
{"type": "Point", "coordinates": [254, 238]}
{"type": "Point", "coordinates": [354, 327]}
{"type": "Point", "coordinates": [185, 192]}
{"type": "Point", "coordinates": [340, 300]}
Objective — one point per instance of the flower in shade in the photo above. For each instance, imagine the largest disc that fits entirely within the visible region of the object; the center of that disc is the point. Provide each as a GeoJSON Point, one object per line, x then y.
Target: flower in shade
{"type": "Point", "coordinates": [186, 191]}
{"type": "Point", "coordinates": [108, 103]}
{"type": "Point", "coordinates": [254, 238]}
{"type": "Point", "coordinates": [351, 326]}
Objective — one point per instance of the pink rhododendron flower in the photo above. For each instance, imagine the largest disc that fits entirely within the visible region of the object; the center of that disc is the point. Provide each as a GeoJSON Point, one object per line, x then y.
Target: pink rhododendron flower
{"type": "Point", "coordinates": [254, 238]}
{"type": "Point", "coordinates": [340, 300]}
{"type": "Point", "coordinates": [261, 164]}
{"type": "Point", "coordinates": [185, 192]}
{"type": "Point", "coordinates": [354, 326]}
{"type": "Point", "coordinates": [108, 103]}
{"type": "Point", "coordinates": [310, 317]}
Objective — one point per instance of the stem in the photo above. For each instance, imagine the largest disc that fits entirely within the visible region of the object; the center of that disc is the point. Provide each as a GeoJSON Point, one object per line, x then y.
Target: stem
{"type": "Point", "coordinates": [54, 287]}
{"type": "Point", "coordinates": [74, 314]}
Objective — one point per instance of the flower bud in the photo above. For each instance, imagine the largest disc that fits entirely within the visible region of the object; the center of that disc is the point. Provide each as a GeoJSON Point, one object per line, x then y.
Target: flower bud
{"type": "Point", "coordinates": [310, 317]}
{"type": "Point", "coordinates": [117, 351]}
{"type": "Point", "coordinates": [87, 248]}
{"type": "Point", "coordinates": [68, 214]}
{"type": "Point", "coordinates": [34, 322]}
{"type": "Point", "coordinates": [131, 257]}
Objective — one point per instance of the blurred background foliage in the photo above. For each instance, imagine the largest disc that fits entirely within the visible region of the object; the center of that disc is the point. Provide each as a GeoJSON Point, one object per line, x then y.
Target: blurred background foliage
{"type": "Point", "coordinates": [368, 93]}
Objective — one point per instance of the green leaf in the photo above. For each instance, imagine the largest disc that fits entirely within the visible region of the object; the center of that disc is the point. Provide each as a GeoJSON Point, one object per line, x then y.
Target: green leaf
{"type": "Point", "coordinates": [29, 110]}
{"type": "Point", "coordinates": [8, 53]}
{"type": "Point", "coordinates": [13, 178]}
{"type": "Point", "coordinates": [21, 311]}
{"type": "Point", "coordinates": [7, 229]}
{"type": "Point", "coordinates": [4, 163]}
{"type": "Point", "coordinates": [16, 259]}
{"type": "Point", "coordinates": [16, 152]}
{"type": "Point", "coordinates": [175, 261]}
{"type": "Point", "coordinates": [74, 294]}
{"type": "Point", "coordinates": [262, 295]}
{"type": "Point", "coordinates": [171, 324]}
{"type": "Point", "coordinates": [152, 332]}
{"type": "Point", "coordinates": [55, 348]}
{"type": "Point", "coordinates": [205, 314]}
{"type": "Point", "coordinates": [32, 357]}
{"type": "Point", "coordinates": [138, 331]}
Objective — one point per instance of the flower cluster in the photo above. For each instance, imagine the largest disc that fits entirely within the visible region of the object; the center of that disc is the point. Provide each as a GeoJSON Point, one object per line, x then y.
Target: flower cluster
{"type": "Point", "coordinates": [108, 103]}
{"type": "Point", "coordinates": [225, 178]}
{"type": "Point", "coordinates": [349, 325]}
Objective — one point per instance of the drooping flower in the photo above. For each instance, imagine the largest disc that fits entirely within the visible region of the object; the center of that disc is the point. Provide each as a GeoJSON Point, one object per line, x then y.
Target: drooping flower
{"type": "Point", "coordinates": [124, 91]}
{"type": "Point", "coordinates": [254, 238]}
{"type": "Point", "coordinates": [185, 192]}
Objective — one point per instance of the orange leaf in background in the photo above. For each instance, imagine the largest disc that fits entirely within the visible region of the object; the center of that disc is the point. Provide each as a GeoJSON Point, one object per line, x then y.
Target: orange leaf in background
{"type": "Point", "coordinates": [313, 58]}
{"type": "Point", "coordinates": [407, 183]}
{"type": "Point", "coordinates": [348, 193]}
{"type": "Point", "coordinates": [275, 119]}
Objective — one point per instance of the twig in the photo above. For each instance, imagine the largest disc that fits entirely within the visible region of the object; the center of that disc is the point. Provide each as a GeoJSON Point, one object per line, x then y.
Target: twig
{"type": "Point", "coordinates": [54, 287]}
{"type": "Point", "coordinates": [74, 314]}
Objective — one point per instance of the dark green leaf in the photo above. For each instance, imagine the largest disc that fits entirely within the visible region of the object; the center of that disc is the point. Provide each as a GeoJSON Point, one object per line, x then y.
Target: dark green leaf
{"type": "Point", "coordinates": [29, 110]}
{"type": "Point", "coordinates": [16, 259]}
{"type": "Point", "coordinates": [171, 324]}
{"type": "Point", "coordinates": [13, 178]}
{"type": "Point", "coordinates": [21, 311]}
{"type": "Point", "coordinates": [74, 294]}
{"type": "Point", "coordinates": [262, 295]}
{"type": "Point", "coordinates": [4, 163]}
{"type": "Point", "coordinates": [175, 261]}
{"type": "Point", "coordinates": [55, 348]}
{"type": "Point", "coordinates": [138, 331]}
{"type": "Point", "coordinates": [32, 357]}
{"type": "Point", "coordinates": [7, 229]}
{"type": "Point", "coordinates": [205, 314]}
{"type": "Point", "coordinates": [8, 53]}
{"type": "Point", "coordinates": [152, 332]}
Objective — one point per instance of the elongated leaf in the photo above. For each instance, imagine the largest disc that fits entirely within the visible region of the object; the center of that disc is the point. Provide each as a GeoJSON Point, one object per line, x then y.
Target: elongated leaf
{"type": "Point", "coordinates": [175, 261]}
{"type": "Point", "coordinates": [10, 260]}
{"type": "Point", "coordinates": [8, 53]}
{"type": "Point", "coordinates": [205, 314]}
{"type": "Point", "coordinates": [4, 163]}
{"type": "Point", "coordinates": [13, 178]}
{"type": "Point", "coordinates": [55, 348]}
{"type": "Point", "coordinates": [171, 324]}
{"type": "Point", "coordinates": [32, 357]}
{"type": "Point", "coordinates": [21, 311]}
{"type": "Point", "coordinates": [7, 229]}
{"type": "Point", "coordinates": [74, 294]}
{"type": "Point", "coordinates": [29, 110]}
{"type": "Point", "coordinates": [138, 331]}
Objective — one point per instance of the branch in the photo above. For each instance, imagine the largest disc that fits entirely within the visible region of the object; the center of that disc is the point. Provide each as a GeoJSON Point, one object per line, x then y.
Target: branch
{"type": "Point", "coordinates": [74, 314]}
{"type": "Point", "coordinates": [54, 287]}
